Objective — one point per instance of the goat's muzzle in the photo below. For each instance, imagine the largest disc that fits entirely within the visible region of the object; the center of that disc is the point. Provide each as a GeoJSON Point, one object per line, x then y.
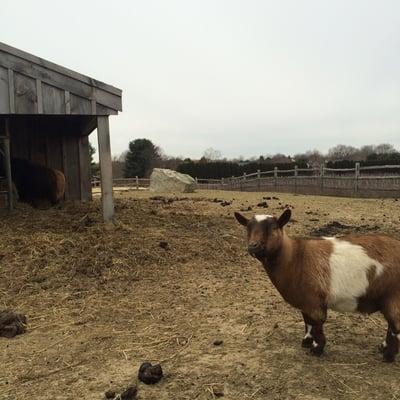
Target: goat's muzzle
{"type": "Point", "coordinates": [256, 250]}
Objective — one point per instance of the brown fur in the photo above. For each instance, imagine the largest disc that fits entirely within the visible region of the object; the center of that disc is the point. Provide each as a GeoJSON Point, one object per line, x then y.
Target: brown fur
{"type": "Point", "coordinates": [37, 184]}
{"type": "Point", "coordinates": [300, 271]}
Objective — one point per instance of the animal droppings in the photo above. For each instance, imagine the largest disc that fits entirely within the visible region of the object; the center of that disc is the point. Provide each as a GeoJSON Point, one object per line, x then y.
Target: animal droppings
{"type": "Point", "coordinates": [163, 244]}
{"type": "Point", "coordinates": [11, 324]}
{"type": "Point", "coordinates": [110, 394]}
{"type": "Point", "coordinates": [150, 374]}
{"type": "Point", "coordinates": [129, 393]}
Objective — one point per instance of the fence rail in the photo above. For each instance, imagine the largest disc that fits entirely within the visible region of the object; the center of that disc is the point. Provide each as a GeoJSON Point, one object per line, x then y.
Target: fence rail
{"type": "Point", "coordinates": [369, 181]}
{"type": "Point", "coordinates": [135, 183]}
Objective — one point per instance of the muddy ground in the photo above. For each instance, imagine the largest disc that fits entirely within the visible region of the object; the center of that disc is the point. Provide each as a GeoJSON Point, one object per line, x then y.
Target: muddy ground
{"type": "Point", "coordinates": [101, 300]}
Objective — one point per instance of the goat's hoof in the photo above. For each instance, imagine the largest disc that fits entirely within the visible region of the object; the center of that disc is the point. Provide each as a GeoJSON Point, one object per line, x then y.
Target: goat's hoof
{"type": "Point", "coordinates": [307, 343]}
{"type": "Point", "coordinates": [317, 351]}
{"type": "Point", "coordinates": [389, 357]}
{"type": "Point", "coordinates": [382, 348]}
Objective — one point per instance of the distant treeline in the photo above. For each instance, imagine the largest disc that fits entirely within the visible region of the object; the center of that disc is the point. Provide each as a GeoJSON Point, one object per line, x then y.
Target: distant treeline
{"type": "Point", "coordinates": [372, 160]}
{"type": "Point", "coordinates": [225, 169]}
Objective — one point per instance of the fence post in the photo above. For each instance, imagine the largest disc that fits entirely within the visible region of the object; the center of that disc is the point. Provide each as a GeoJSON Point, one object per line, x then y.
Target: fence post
{"type": "Point", "coordinates": [357, 175]}
{"type": "Point", "coordinates": [243, 181]}
{"type": "Point", "coordinates": [275, 177]}
{"type": "Point", "coordinates": [322, 173]}
{"type": "Point", "coordinates": [137, 182]}
{"type": "Point", "coordinates": [258, 179]}
{"type": "Point", "coordinates": [222, 183]}
{"type": "Point", "coordinates": [296, 173]}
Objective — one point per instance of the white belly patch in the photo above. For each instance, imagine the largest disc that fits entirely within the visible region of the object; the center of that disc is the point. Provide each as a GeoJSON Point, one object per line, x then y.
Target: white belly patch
{"type": "Point", "coordinates": [349, 265]}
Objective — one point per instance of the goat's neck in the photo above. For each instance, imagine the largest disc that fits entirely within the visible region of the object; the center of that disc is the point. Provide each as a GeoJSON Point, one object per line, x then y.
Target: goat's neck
{"type": "Point", "coordinates": [282, 260]}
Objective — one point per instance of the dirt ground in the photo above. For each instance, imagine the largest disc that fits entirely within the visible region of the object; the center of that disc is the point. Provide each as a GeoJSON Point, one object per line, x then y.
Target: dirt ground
{"type": "Point", "coordinates": [100, 300]}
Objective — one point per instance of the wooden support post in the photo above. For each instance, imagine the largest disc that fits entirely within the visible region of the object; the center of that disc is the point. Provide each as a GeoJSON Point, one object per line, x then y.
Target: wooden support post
{"type": "Point", "coordinates": [7, 160]}
{"type": "Point", "coordinates": [296, 174]}
{"type": "Point", "coordinates": [137, 182]}
{"type": "Point", "coordinates": [275, 177]}
{"type": "Point", "coordinates": [322, 173]}
{"type": "Point", "coordinates": [258, 179]}
{"type": "Point", "coordinates": [103, 136]}
{"type": "Point", "coordinates": [357, 176]}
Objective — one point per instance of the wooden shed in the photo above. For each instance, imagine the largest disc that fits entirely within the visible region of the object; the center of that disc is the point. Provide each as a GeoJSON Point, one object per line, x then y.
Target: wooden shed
{"type": "Point", "coordinates": [46, 115]}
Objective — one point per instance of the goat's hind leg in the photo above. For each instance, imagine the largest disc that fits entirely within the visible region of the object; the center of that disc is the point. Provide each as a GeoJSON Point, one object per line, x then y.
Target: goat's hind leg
{"type": "Point", "coordinates": [390, 347]}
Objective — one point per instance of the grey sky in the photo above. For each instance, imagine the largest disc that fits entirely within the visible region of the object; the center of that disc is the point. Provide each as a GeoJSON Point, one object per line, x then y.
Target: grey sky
{"type": "Point", "coordinates": [245, 77]}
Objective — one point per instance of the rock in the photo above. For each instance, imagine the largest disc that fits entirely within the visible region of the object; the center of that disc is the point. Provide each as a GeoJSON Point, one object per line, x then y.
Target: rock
{"type": "Point", "coordinates": [263, 204]}
{"type": "Point", "coordinates": [218, 342]}
{"type": "Point", "coordinates": [166, 180]}
{"type": "Point", "coordinates": [226, 203]}
{"type": "Point", "coordinates": [150, 374]}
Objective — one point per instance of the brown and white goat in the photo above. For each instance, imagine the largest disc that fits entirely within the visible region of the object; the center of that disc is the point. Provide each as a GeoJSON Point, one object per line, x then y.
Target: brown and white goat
{"type": "Point", "coordinates": [354, 273]}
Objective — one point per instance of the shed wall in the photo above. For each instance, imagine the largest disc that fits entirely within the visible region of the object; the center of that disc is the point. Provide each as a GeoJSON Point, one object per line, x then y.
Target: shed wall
{"type": "Point", "coordinates": [57, 144]}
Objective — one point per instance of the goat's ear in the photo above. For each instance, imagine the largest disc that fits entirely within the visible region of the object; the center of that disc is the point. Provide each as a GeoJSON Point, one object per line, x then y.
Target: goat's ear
{"type": "Point", "coordinates": [284, 218]}
{"type": "Point", "coordinates": [241, 219]}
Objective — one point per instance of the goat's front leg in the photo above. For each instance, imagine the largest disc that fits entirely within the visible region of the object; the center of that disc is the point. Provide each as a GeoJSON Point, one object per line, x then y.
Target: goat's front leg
{"type": "Point", "coordinates": [314, 338]}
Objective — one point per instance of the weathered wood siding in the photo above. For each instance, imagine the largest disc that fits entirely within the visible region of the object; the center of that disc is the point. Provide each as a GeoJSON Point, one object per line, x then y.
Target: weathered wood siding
{"type": "Point", "coordinates": [31, 85]}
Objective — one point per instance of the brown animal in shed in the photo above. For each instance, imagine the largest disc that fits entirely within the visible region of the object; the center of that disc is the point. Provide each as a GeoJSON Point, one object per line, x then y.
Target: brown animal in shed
{"type": "Point", "coordinates": [37, 184]}
{"type": "Point", "coordinates": [354, 273]}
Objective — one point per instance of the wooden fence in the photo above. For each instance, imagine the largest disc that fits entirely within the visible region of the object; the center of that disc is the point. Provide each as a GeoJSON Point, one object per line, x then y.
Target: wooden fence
{"type": "Point", "coordinates": [135, 183]}
{"type": "Point", "coordinates": [371, 181]}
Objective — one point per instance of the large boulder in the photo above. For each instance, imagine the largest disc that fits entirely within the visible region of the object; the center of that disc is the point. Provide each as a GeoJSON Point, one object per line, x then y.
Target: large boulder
{"type": "Point", "coordinates": [167, 180]}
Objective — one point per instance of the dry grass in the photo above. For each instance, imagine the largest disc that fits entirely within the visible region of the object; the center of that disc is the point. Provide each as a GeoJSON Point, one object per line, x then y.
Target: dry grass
{"type": "Point", "coordinates": [101, 300]}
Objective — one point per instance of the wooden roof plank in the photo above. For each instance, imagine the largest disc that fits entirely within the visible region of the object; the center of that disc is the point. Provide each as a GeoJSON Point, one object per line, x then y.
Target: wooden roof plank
{"type": "Point", "coordinates": [63, 82]}
{"type": "Point", "coordinates": [60, 69]}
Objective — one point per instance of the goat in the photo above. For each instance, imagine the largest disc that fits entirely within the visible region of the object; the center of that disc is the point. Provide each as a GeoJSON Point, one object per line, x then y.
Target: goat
{"type": "Point", "coordinates": [354, 273]}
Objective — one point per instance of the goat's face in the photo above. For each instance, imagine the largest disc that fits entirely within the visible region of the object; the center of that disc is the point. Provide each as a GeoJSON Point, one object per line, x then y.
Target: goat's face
{"type": "Point", "coordinates": [264, 233]}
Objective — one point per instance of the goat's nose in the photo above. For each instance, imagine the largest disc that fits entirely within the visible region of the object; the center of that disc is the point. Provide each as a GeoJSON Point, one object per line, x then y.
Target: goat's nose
{"type": "Point", "coordinates": [254, 248]}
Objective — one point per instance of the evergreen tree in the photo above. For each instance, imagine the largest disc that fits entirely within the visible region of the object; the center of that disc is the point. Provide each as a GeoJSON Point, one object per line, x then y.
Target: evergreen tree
{"type": "Point", "coordinates": [141, 157]}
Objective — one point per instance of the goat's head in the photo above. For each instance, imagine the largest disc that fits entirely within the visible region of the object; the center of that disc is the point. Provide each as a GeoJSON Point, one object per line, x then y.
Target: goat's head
{"type": "Point", "coordinates": [264, 233]}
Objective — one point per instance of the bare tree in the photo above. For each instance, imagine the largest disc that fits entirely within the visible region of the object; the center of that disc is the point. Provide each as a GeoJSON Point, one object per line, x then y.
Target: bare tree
{"type": "Point", "coordinates": [385, 148]}
{"type": "Point", "coordinates": [212, 154]}
{"type": "Point", "coordinates": [312, 157]}
{"type": "Point", "coordinates": [342, 152]}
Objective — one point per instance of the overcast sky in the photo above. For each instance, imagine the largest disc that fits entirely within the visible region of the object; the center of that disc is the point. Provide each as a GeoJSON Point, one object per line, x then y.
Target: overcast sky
{"type": "Point", "coordinates": [246, 77]}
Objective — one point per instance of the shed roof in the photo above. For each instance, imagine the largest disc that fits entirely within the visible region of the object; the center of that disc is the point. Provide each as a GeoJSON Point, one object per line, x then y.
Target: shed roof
{"type": "Point", "coordinates": [32, 85]}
